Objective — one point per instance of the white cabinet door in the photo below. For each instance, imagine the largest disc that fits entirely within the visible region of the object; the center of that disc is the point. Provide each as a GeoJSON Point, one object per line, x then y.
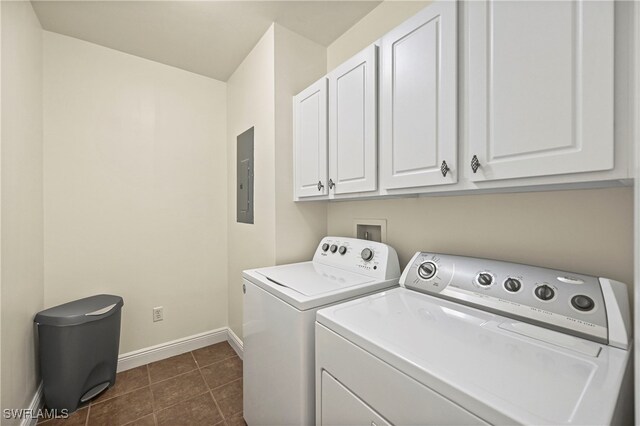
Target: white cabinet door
{"type": "Point", "coordinates": [418, 104]}
{"type": "Point", "coordinates": [540, 87]}
{"type": "Point", "coordinates": [353, 124]}
{"type": "Point", "coordinates": [310, 141]}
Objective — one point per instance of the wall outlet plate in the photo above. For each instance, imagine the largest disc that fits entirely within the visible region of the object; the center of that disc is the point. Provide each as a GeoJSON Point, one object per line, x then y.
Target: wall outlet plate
{"type": "Point", "coordinates": [158, 314]}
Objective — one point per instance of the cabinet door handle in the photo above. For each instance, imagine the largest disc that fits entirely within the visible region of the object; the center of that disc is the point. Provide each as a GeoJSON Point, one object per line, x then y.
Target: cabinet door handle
{"type": "Point", "coordinates": [475, 163]}
{"type": "Point", "coordinates": [320, 185]}
{"type": "Point", "coordinates": [444, 168]}
{"type": "Point", "coordinates": [331, 184]}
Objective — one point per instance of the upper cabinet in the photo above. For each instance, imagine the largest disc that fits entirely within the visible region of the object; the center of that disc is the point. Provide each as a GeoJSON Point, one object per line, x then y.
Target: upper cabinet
{"type": "Point", "coordinates": [538, 94]}
{"type": "Point", "coordinates": [418, 100]}
{"type": "Point", "coordinates": [310, 141]}
{"type": "Point", "coordinates": [350, 157]}
{"type": "Point", "coordinates": [541, 88]}
{"type": "Point", "coordinates": [353, 124]}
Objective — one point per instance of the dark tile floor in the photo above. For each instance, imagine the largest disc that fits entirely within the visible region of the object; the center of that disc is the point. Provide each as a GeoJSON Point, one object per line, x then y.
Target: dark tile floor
{"type": "Point", "coordinates": [203, 387]}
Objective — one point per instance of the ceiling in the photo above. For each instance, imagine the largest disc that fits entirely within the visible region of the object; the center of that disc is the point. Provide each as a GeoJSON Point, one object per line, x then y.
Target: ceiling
{"type": "Point", "coordinates": [206, 37]}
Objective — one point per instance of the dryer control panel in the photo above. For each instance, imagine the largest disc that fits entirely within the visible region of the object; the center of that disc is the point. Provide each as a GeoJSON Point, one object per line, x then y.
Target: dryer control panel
{"type": "Point", "coordinates": [564, 301]}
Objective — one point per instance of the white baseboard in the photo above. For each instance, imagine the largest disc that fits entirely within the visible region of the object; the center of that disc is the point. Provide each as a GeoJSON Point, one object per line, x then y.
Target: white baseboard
{"type": "Point", "coordinates": [34, 406]}
{"type": "Point", "coordinates": [175, 347]}
{"type": "Point", "coordinates": [235, 342]}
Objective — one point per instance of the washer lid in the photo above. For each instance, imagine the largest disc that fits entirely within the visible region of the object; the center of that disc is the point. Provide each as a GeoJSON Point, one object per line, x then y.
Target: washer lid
{"type": "Point", "coordinates": [468, 356]}
{"type": "Point", "coordinates": [313, 279]}
{"type": "Point", "coordinates": [309, 285]}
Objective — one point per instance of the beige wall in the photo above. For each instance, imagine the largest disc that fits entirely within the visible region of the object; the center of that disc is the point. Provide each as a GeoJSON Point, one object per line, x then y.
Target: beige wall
{"type": "Point", "coordinates": [260, 94]}
{"type": "Point", "coordinates": [371, 27]}
{"type": "Point", "coordinates": [589, 231]}
{"type": "Point", "coordinates": [21, 209]}
{"type": "Point", "coordinates": [250, 103]}
{"type": "Point", "coordinates": [135, 189]}
{"type": "Point", "coordinates": [299, 226]}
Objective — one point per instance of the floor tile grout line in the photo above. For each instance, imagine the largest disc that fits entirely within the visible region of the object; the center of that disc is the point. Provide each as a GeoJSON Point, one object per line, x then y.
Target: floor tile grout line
{"type": "Point", "coordinates": [168, 378]}
{"type": "Point", "coordinates": [134, 420]}
{"type": "Point", "coordinates": [146, 366]}
{"type": "Point", "coordinates": [124, 394]}
{"type": "Point", "coordinates": [196, 368]}
{"type": "Point", "coordinates": [220, 360]}
{"type": "Point", "coordinates": [94, 401]}
{"type": "Point", "coordinates": [153, 396]}
{"type": "Point", "coordinates": [119, 395]}
{"type": "Point", "coordinates": [203, 380]}
{"type": "Point", "coordinates": [215, 401]}
{"type": "Point", "coordinates": [234, 380]}
{"type": "Point", "coordinates": [180, 402]}
{"type": "Point", "coordinates": [116, 395]}
{"type": "Point", "coordinates": [152, 413]}
{"type": "Point", "coordinates": [219, 386]}
{"type": "Point", "coordinates": [226, 383]}
{"type": "Point", "coordinates": [173, 377]}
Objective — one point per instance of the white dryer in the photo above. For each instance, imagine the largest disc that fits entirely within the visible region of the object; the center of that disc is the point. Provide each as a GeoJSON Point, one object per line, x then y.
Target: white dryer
{"type": "Point", "coordinates": [476, 341]}
{"type": "Point", "coordinates": [280, 305]}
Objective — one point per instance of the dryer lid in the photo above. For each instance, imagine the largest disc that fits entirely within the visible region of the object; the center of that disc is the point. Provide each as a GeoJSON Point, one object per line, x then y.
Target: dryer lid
{"type": "Point", "coordinates": [313, 279]}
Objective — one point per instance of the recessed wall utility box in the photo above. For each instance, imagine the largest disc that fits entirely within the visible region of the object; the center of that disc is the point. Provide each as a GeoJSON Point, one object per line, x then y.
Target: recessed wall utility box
{"type": "Point", "coordinates": [371, 229]}
{"type": "Point", "coordinates": [244, 184]}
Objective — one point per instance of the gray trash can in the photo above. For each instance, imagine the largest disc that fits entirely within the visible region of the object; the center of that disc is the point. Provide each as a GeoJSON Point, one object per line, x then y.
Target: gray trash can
{"type": "Point", "coordinates": [78, 346]}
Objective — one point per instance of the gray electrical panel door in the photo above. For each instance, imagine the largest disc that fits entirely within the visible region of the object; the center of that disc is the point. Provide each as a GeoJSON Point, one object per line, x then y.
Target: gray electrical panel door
{"type": "Point", "coordinates": [244, 184]}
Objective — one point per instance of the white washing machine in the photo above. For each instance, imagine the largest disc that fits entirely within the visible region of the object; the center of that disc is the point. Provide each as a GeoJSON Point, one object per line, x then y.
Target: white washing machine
{"type": "Point", "coordinates": [280, 305]}
{"type": "Point", "coordinates": [476, 341]}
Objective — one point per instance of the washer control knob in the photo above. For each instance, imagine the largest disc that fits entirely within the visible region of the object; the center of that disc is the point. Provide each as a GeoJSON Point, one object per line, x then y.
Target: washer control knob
{"type": "Point", "coordinates": [366, 254]}
{"type": "Point", "coordinates": [485, 279]}
{"type": "Point", "coordinates": [427, 270]}
{"type": "Point", "coordinates": [325, 247]}
{"type": "Point", "coordinates": [582, 302]}
{"type": "Point", "coordinates": [513, 285]}
{"type": "Point", "coordinates": [334, 248]}
{"type": "Point", "coordinates": [544, 292]}
{"type": "Point", "coordinates": [342, 250]}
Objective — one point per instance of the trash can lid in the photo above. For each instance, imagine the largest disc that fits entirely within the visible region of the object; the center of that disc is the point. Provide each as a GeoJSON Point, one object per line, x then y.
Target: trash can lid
{"type": "Point", "coordinates": [81, 311]}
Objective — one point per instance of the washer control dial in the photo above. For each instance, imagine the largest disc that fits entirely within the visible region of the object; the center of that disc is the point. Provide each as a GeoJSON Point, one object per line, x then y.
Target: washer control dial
{"type": "Point", "coordinates": [582, 303]}
{"type": "Point", "coordinates": [485, 279]}
{"type": "Point", "coordinates": [334, 248]}
{"type": "Point", "coordinates": [544, 292]}
{"type": "Point", "coordinates": [427, 270]}
{"type": "Point", "coordinates": [342, 250]}
{"type": "Point", "coordinates": [366, 254]}
{"type": "Point", "coordinates": [512, 285]}
{"type": "Point", "coordinates": [325, 247]}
